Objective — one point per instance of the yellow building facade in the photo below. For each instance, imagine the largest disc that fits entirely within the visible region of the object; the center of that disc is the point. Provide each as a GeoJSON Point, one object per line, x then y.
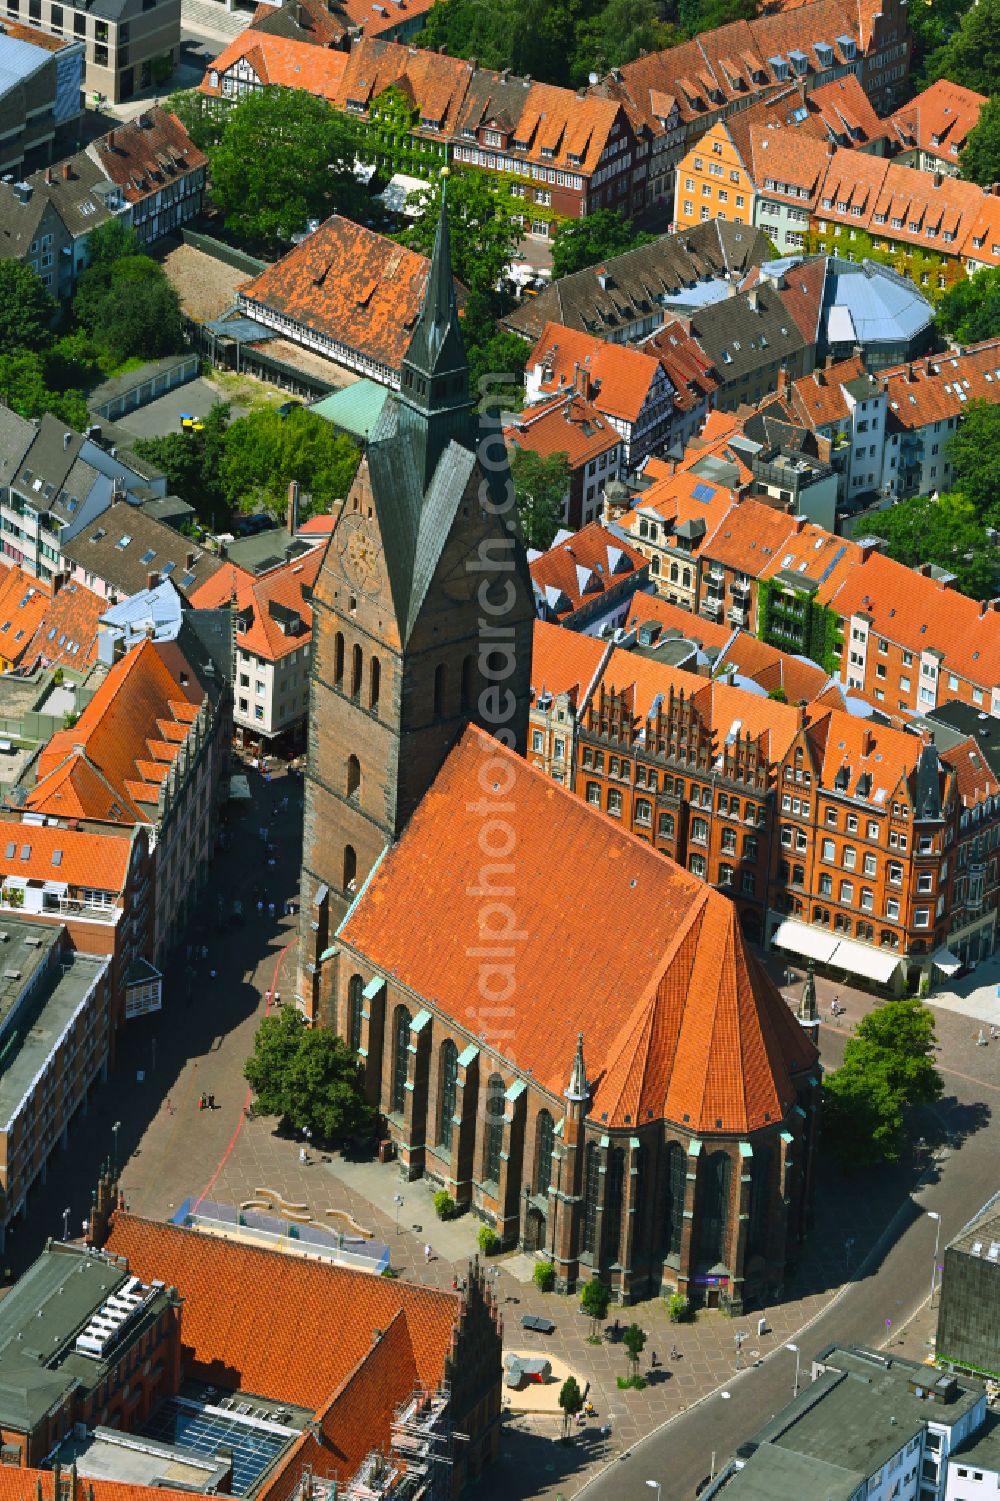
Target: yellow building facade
{"type": "Point", "coordinates": [712, 182]}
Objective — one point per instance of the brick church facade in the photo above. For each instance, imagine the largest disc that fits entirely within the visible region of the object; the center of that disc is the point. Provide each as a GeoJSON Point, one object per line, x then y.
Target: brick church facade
{"type": "Point", "coordinates": [557, 1023]}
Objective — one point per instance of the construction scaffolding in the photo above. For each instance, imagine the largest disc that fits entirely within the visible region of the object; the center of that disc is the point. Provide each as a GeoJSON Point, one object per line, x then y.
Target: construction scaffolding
{"type": "Point", "coordinates": [419, 1459]}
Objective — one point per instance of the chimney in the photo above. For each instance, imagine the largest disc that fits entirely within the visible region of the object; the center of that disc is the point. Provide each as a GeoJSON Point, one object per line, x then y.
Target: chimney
{"type": "Point", "coordinates": [292, 513]}
{"type": "Point", "coordinates": [868, 743]}
{"type": "Point", "coordinates": [48, 176]}
{"type": "Point", "coordinates": [753, 300]}
{"type": "Point", "coordinates": [66, 172]}
{"type": "Point", "coordinates": [938, 179]}
{"type": "Point", "coordinates": [800, 523]}
{"type": "Point", "coordinates": [781, 388]}
{"type": "Point", "coordinates": [152, 579]}
{"type": "Point", "coordinates": [303, 18]}
{"type": "Point", "coordinates": [111, 140]}
{"type": "Point", "coordinates": [58, 579]}
{"type": "Point", "coordinates": [67, 439]}
{"type": "Point", "coordinates": [189, 561]}
{"type": "Point", "coordinates": [802, 706]}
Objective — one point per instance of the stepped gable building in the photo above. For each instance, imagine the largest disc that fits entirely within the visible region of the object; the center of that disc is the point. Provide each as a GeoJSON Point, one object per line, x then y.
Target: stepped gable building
{"type": "Point", "coordinates": [419, 555]}
{"type": "Point", "coordinates": [657, 1125]}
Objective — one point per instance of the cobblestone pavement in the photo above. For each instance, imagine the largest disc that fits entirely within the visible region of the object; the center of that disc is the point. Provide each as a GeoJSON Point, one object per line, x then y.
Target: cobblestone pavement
{"type": "Point", "coordinates": [172, 1150]}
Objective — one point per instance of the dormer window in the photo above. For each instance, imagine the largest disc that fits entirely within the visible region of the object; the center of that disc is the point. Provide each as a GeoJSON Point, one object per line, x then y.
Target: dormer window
{"type": "Point", "coordinates": [428, 124]}
{"type": "Point", "coordinates": [214, 78]}
{"type": "Point", "coordinates": [492, 138]}
{"type": "Point", "coordinates": [846, 45]}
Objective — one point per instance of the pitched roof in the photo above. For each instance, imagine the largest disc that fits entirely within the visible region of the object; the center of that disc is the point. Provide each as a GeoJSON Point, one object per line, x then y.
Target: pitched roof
{"type": "Point", "coordinates": [564, 661]}
{"type": "Point", "coordinates": [350, 284]}
{"type": "Point", "coordinates": [122, 747]}
{"type": "Point", "coordinates": [692, 508]}
{"type": "Point", "coordinates": [580, 567]}
{"type": "Point", "coordinates": [746, 331]}
{"type": "Point", "coordinates": [940, 386]}
{"type": "Point", "coordinates": [938, 121]}
{"type": "Point", "coordinates": [689, 368]}
{"type": "Point", "coordinates": [816, 556]}
{"type": "Point", "coordinates": [279, 62]}
{"type": "Point", "coordinates": [919, 613]}
{"type": "Point", "coordinates": [313, 21]}
{"type": "Point", "coordinates": [146, 155]}
{"type": "Point", "coordinates": [676, 622]}
{"type": "Point", "coordinates": [68, 631]}
{"type": "Point", "coordinates": [818, 399]}
{"type": "Point", "coordinates": [23, 601]}
{"type": "Point", "coordinates": [679, 1020]}
{"type": "Point", "coordinates": [569, 424]}
{"type": "Point", "coordinates": [241, 1301]}
{"type": "Point", "coordinates": [436, 83]}
{"type": "Point", "coordinates": [37, 852]}
{"type": "Point", "coordinates": [618, 378]}
{"type": "Point", "coordinates": [123, 546]}
{"type": "Point", "coordinates": [885, 756]}
{"type": "Point", "coordinates": [771, 669]}
{"type": "Point", "coordinates": [750, 537]}
{"type": "Point", "coordinates": [273, 612]}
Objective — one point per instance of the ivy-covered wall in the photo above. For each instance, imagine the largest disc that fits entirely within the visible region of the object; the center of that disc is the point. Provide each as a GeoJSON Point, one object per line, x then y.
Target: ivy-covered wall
{"type": "Point", "coordinates": [932, 273]}
{"type": "Point", "coordinates": [794, 622]}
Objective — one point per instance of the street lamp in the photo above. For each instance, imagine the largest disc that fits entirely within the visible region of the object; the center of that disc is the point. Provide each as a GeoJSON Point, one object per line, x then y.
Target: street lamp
{"type": "Point", "coordinates": [932, 1214]}
{"type": "Point", "coordinates": [654, 1485]}
{"type": "Point", "coordinates": [397, 1199]}
{"type": "Point", "coordinates": [725, 1397]}
{"type": "Point", "coordinates": [114, 1131]}
{"type": "Point", "coordinates": [795, 1351]}
{"type": "Point", "coordinates": [65, 1224]}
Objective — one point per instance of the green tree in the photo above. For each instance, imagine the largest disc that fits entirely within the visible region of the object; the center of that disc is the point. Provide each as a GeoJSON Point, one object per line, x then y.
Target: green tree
{"type": "Point", "coordinates": [696, 16]}
{"type": "Point", "coordinates": [268, 1066]}
{"type": "Point", "coordinates": [306, 1076]}
{"type": "Point", "coordinates": [595, 1296]}
{"type": "Point", "coordinates": [578, 243]}
{"type": "Point", "coordinates": [571, 1402]}
{"type": "Point", "coordinates": [111, 241]}
{"type": "Point", "coordinates": [971, 54]}
{"type": "Point", "coordinates": [888, 1067]}
{"type": "Point", "coordinates": [540, 488]}
{"type": "Point", "coordinates": [634, 1340]}
{"type": "Point", "coordinates": [970, 309]}
{"type": "Point", "coordinates": [73, 360]}
{"type": "Point", "coordinates": [201, 116]}
{"type": "Point", "coordinates": [974, 451]}
{"type": "Point", "coordinates": [192, 462]}
{"type": "Point", "coordinates": [263, 451]}
{"type": "Point", "coordinates": [979, 160]}
{"type": "Point", "coordinates": [24, 388]}
{"type": "Point", "coordinates": [481, 228]}
{"type": "Point", "coordinates": [285, 156]}
{"type": "Point", "coordinates": [26, 308]}
{"type": "Point", "coordinates": [321, 1088]}
{"type": "Point", "coordinates": [944, 530]}
{"type": "Point", "coordinates": [130, 309]}
{"type": "Point", "coordinates": [496, 357]}
{"type": "Point", "coordinates": [617, 34]}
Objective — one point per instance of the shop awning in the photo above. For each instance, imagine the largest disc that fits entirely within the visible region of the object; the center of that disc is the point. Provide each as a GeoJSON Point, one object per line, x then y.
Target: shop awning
{"type": "Point", "coordinates": [813, 943]}
{"type": "Point", "coordinates": [944, 960]}
{"type": "Point", "coordinates": [239, 789]}
{"type": "Point", "coordinates": [858, 959]}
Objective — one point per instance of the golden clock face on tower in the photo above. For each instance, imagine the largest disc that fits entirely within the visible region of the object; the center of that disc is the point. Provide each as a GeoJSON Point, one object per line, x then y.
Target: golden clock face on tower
{"type": "Point", "coordinates": [359, 554]}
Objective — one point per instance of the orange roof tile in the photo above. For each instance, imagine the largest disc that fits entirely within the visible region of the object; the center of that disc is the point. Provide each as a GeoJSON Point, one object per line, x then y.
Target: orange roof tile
{"type": "Point", "coordinates": [279, 62]}
{"type": "Point", "coordinates": [221, 588]}
{"type": "Point", "coordinates": [38, 852]}
{"type": "Point", "coordinates": [241, 1301]}
{"type": "Point", "coordinates": [688, 367]}
{"type": "Point", "coordinates": [18, 1484]}
{"type": "Point", "coordinates": [800, 678]}
{"type": "Point", "coordinates": [436, 83]}
{"type": "Point", "coordinates": [89, 770]}
{"type": "Point", "coordinates": [692, 507]}
{"type": "Point", "coordinates": [749, 538]}
{"type": "Point", "coordinates": [939, 120]}
{"type": "Point", "coordinates": [815, 555]}
{"type": "Point", "coordinates": [317, 526]}
{"type": "Point", "coordinates": [584, 564]}
{"type": "Point", "coordinates": [678, 1018]}
{"type": "Point", "coordinates": [818, 399]}
{"type": "Point", "coordinates": [263, 604]}
{"type": "Point", "coordinates": [940, 386]}
{"type": "Point", "coordinates": [564, 661]}
{"type": "Point", "coordinates": [864, 747]}
{"type": "Point", "coordinates": [568, 425]}
{"type": "Point", "coordinates": [23, 601]}
{"type": "Point", "coordinates": [676, 621]}
{"type": "Point", "coordinates": [347, 282]}
{"type": "Point", "coordinates": [618, 378]}
{"type": "Point", "coordinates": [68, 631]}
{"type": "Point", "coordinates": [145, 156]}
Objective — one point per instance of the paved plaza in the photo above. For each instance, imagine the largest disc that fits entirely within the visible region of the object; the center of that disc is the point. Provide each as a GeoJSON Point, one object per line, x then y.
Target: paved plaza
{"type": "Point", "coordinates": [172, 1150]}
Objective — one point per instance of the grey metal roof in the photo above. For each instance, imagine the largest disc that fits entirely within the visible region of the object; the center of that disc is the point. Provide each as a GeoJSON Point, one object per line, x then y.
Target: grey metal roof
{"type": "Point", "coordinates": [776, 1474]}
{"type": "Point", "coordinates": [16, 436]}
{"type": "Point", "coordinates": [883, 306]}
{"type": "Point", "coordinates": [19, 60]}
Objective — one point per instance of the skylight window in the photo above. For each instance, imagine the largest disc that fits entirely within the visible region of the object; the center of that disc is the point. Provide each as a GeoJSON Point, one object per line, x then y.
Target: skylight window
{"type": "Point", "coordinates": [123, 542]}
{"type": "Point", "coordinates": [57, 857]}
{"type": "Point", "coordinates": [149, 555]}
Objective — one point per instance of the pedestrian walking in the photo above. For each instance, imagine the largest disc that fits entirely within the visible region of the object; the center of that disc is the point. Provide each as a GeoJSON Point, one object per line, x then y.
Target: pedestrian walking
{"type": "Point", "coordinates": [673, 1352]}
{"type": "Point", "coordinates": [302, 1156]}
{"type": "Point", "coordinates": [993, 1034]}
{"type": "Point", "coordinates": [270, 905]}
{"type": "Point", "coordinates": [260, 907]}
{"type": "Point", "coordinates": [653, 1360]}
{"type": "Point", "coordinates": [211, 974]}
{"type": "Point", "coordinates": [427, 1254]}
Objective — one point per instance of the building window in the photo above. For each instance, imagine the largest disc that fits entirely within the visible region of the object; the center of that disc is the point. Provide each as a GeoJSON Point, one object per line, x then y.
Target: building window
{"type": "Point", "coordinates": [449, 1092]}
{"type": "Point", "coordinates": [353, 776]}
{"type": "Point", "coordinates": [714, 1209]}
{"type": "Point", "coordinates": [594, 794]}
{"type": "Point", "coordinates": [493, 1143]}
{"type": "Point", "coordinates": [357, 662]}
{"type": "Point", "coordinates": [665, 826]}
{"type": "Point", "coordinates": [644, 812]}
{"type": "Point", "coordinates": [374, 684]}
{"type": "Point", "coordinates": [338, 659]}
{"type": "Point", "coordinates": [613, 1203]}
{"type": "Point", "coordinates": [350, 867]}
{"type": "Point", "coordinates": [400, 1059]}
{"type": "Point", "coordinates": [355, 1006]}
{"type": "Point", "coordinates": [759, 1176]}
{"type": "Point", "coordinates": [591, 1190]}
{"type": "Point", "coordinates": [544, 1143]}
{"type": "Point", "coordinates": [673, 1208]}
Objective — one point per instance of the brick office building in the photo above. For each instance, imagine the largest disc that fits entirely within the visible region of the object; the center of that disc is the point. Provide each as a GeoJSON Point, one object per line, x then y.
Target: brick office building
{"type": "Point", "coordinates": [685, 1160]}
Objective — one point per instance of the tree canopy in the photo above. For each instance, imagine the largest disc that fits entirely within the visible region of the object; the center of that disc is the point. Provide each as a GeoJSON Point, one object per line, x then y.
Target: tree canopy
{"type": "Point", "coordinates": [541, 486]}
{"type": "Point", "coordinates": [307, 1076]}
{"type": "Point", "coordinates": [129, 308]}
{"type": "Point", "coordinates": [200, 115]}
{"type": "Point", "coordinates": [191, 462]}
{"type": "Point", "coordinates": [26, 308]}
{"type": "Point", "coordinates": [595, 1296]}
{"type": "Point", "coordinates": [974, 451]}
{"type": "Point", "coordinates": [970, 309]}
{"type": "Point", "coordinates": [571, 1401]}
{"type": "Point", "coordinates": [970, 55]}
{"type": "Point", "coordinates": [481, 228]}
{"type": "Point", "coordinates": [284, 157]}
{"type": "Point", "coordinates": [264, 450]}
{"type": "Point", "coordinates": [979, 160]}
{"type": "Point", "coordinates": [888, 1067]}
{"type": "Point", "coordinates": [945, 530]}
{"type": "Point", "coordinates": [578, 243]}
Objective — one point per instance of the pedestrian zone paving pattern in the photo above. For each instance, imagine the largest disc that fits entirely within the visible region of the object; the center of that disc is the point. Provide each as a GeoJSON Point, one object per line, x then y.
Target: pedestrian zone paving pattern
{"type": "Point", "coordinates": [193, 1423]}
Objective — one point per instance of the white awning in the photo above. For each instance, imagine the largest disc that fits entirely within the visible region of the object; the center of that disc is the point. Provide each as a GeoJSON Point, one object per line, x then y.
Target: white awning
{"type": "Point", "coordinates": [239, 789]}
{"type": "Point", "coordinates": [945, 961]}
{"type": "Point", "coordinates": [814, 943]}
{"type": "Point", "coordinates": [55, 888]}
{"type": "Point", "coordinates": [875, 964]}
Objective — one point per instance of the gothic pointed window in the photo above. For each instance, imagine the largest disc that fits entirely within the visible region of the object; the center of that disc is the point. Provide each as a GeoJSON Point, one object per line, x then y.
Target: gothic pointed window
{"type": "Point", "coordinates": [544, 1143]}
{"type": "Point", "coordinates": [353, 776]}
{"type": "Point", "coordinates": [493, 1147]}
{"type": "Point", "coordinates": [613, 1201]}
{"type": "Point", "coordinates": [350, 867]}
{"type": "Point", "coordinates": [374, 684]}
{"type": "Point", "coordinates": [338, 658]}
{"type": "Point", "coordinates": [675, 1183]}
{"type": "Point", "coordinates": [449, 1092]}
{"type": "Point", "coordinates": [357, 663]}
{"type": "Point", "coordinates": [713, 1210]}
{"type": "Point", "coordinates": [355, 1007]}
{"type": "Point", "coordinates": [591, 1195]}
{"type": "Point", "coordinates": [400, 1059]}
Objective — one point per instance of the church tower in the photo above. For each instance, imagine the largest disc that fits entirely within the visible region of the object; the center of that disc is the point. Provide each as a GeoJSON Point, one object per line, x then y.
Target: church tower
{"type": "Point", "coordinates": [422, 620]}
